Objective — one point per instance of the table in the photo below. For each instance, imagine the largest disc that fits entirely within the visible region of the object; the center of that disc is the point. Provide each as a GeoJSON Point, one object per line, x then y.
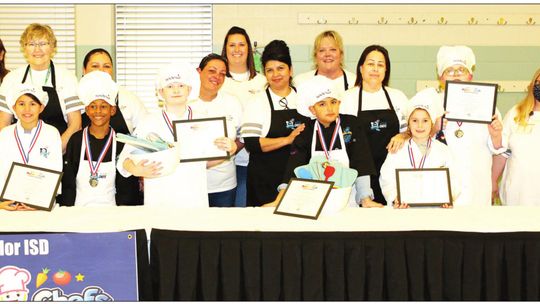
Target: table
{"type": "Point", "coordinates": [359, 254]}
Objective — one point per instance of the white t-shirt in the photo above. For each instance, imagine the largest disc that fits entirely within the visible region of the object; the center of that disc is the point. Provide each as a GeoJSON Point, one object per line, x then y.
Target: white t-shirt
{"type": "Point", "coordinates": [376, 101]}
{"type": "Point", "coordinates": [338, 82]}
{"type": "Point", "coordinates": [66, 87]}
{"type": "Point", "coordinates": [223, 176]}
{"type": "Point", "coordinates": [257, 115]}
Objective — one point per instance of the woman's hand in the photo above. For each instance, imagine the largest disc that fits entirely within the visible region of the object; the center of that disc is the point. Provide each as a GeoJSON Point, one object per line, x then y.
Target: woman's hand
{"type": "Point", "coordinates": [226, 144]}
{"type": "Point", "coordinates": [295, 133]}
{"type": "Point", "coordinates": [396, 142]}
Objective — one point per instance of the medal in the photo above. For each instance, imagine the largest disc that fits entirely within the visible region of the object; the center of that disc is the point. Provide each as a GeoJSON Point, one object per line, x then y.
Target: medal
{"type": "Point", "coordinates": [328, 169]}
{"type": "Point", "coordinates": [93, 181]}
{"type": "Point", "coordinates": [459, 133]}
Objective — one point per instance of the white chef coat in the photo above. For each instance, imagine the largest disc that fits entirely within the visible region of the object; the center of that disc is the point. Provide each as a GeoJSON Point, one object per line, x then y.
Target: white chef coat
{"type": "Point", "coordinates": [376, 101]}
{"type": "Point", "coordinates": [131, 107]}
{"type": "Point", "coordinates": [439, 156]}
{"type": "Point", "coordinates": [47, 151]}
{"type": "Point", "coordinates": [519, 185]}
{"type": "Point", "coordinates": [185, 187]}
{"type": "Point", "coordinates": [472, 154]}
{"type": "Point", "coordinates": [223, 176]}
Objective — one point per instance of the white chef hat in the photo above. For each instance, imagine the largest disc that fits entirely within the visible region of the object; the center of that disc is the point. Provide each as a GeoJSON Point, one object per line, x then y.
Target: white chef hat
{"type": "Point", "coordinates": [13, 278]}
{"type": "Point", "coordinates": [425, 99]}
{"type": "Point", "coordinates": [97, 85]}
{"type": "Point", "coordinates": [312, 91]}
{"type": "Point", "coordinates": [452, 55]}
{"type": "Point", "coordinates": [182, 72]}
{"type": "Point", "coordinates": [22, 89]}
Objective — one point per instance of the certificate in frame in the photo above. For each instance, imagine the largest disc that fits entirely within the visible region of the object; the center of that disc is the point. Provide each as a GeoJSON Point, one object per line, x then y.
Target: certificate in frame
{"type": "Point", "coordinates": [34, 186]}
{"type": "Point", "coordinates": [424, 187]}
{"type": "Point", "coordinates": [470, 101]}
{"type": "Point", "coordinates": [196, 138]}
{"type": "Point", "coordinates": [304, 198]}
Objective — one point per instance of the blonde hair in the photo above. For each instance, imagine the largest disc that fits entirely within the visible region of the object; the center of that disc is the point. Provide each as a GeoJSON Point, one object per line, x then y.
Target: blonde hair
{"type": "Point", "coordinates": [526, 106]}
{"type": "Point", "coordinates": [37, 30]}
{"type": "Point", "coordinates": [318, 40]}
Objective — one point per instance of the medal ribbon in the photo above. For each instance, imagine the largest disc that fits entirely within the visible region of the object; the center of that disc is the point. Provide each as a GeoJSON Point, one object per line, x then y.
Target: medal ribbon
{"type": "Point", "coordinates": [168, 121]}
{"type": "Point", "coordinates": [332, 141]}
{"type": "Point", "coordinates": [26, 156]}
{"type": "Point", "coordinates": [459, 123]}
{"type": "Point", "coordinates": [94, 169]}
{"type": "Point", "coordinates": [423, 159]}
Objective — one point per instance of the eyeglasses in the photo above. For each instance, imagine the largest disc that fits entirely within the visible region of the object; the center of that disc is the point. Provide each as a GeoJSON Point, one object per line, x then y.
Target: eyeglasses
{"type": "Point", "coordinates": [456, 72]}
{"type": "Point", "coordinates": [284, 103]}
{"type": "Point", "coordinates": [35, 44]}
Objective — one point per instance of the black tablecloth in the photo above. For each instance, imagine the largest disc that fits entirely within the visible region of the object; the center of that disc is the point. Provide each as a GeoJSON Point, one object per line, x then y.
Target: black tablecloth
{"type": "Point", "coordinates": [313, 266]}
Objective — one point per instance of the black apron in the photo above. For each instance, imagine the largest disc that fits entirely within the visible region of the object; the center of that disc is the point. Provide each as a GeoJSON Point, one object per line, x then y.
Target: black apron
{"type": "Point", "coordinates": [345, 82]}
{"type": "Point", "coordinates": [52, 114]}
{"type": "Point", "coordinates": [117, 122]}
{"type": "Point", "coordinates": [265, 170]}
{"type": "Point", "coordinates": [380, 126]}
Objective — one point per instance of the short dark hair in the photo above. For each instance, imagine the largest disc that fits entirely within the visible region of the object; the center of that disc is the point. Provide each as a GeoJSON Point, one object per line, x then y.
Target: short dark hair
{"type": "Point", "coordinates": [206, 59]}
{"type": "Point", "coordinates": [362, 60]}
{"type": "Point", "coordinates": [95, 51]}
{"type": "Point", "coordinates": [250, 61]}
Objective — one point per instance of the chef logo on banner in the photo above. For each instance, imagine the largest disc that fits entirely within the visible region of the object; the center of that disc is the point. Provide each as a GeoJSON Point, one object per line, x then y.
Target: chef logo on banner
{"type": "Point", "coordinates": [68, 267]}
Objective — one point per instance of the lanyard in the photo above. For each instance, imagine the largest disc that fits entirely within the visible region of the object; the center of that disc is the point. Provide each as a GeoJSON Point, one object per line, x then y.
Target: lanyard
{"type": "Point", "coordinates": [94, 169]}
{"type": "Point", "coordinates": [26, 156]}
{"type": "Point", "coordinates": [423, 159]}
{"type": "Point", "coordinates": [332, 141]}
{"type": "Point", "coordinates": [168, 121]}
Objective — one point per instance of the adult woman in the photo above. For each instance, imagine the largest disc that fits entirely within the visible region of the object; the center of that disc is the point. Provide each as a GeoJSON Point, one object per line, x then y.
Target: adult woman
{"type": "Point", "coordinates": [379, 108]}
{"type": "Point", "coordinates": [243, 82]}
{"type": "Point", "coordinates": [63, 110]}
{"type": "Point", "coordinates": [270, 125]}
{"type": "Point", "coordinates": [3, 70]}
{"type": "Point", "coordinates": [522, 132]}
{"type": "Point", "coordinates": [214, 103]}
{"type": "Point", "coordinates": [130, 109]}
{"type": "Point", "coordinates": [328, 57]}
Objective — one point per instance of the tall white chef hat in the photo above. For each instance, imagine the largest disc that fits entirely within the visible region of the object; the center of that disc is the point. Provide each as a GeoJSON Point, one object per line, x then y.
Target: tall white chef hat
{"type": "Point", "coordinates": [425, 99]}
{"type": "Point", "coordinates": [312, 91]}
{"type": "Point", "coordinates": [97, 85]}
{"type": "Point", "coordinates": [23, 89]}
{"type": "Point", "coordinates": [13, 278]}
{"type": "Point", "coordinates": [181, 72]}
{"type": "Point", "coordinates": [452, 55]}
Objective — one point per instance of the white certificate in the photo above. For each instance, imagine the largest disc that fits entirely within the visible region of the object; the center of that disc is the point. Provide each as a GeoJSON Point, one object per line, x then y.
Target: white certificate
{"type": "Point", "coordinates": [424, 187]}
{"type": "Point", "coordinates": [196, 138]}
{"type": "Point", "coordinates": [470, 101]}
{"type": "Point", "coordinates": [33, 186]}
{"type": "Point", "coordinates": [304, 198]}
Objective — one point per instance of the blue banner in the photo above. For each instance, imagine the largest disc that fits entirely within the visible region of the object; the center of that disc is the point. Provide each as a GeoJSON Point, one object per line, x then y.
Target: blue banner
{"type": "Point", "coordinates": [68, 267]}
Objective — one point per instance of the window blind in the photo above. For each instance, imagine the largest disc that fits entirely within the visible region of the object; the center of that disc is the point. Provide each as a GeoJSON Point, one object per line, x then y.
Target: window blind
{"type": "Point", "coordinates": [61, 18]}
{"type": "Point", "coordinates": [150, 36]}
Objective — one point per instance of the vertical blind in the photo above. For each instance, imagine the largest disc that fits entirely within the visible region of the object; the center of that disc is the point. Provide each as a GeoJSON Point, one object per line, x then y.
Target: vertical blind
{"type": "Point", "coordinates": [150, 36]}
{"type": "Point", "coordinates": [15, 18]}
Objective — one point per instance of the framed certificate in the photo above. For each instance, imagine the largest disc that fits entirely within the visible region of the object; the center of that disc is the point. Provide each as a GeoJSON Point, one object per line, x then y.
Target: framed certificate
{"type": "Point", "coordinates": [304, 198]}
{"type": "Point", "coordinates": [424, 187]}
{"type": "Point", "coordinates": [33, 186]}
{"type": "Point", "coordinates": [196, 138]}
{"type": "Point", "coordinates": [470, 101]}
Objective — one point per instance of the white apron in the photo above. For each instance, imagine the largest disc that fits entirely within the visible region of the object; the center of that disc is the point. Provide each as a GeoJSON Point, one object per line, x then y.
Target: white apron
{"type": "Point", "coordinates": [104, 193]}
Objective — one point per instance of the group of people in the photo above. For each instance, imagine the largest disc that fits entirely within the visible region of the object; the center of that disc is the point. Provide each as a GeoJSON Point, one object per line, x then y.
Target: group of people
{"type": "Point", "coordinates": [275, 124]}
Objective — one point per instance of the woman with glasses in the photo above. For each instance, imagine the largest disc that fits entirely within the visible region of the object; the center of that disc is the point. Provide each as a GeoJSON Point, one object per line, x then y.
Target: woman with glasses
{"type": "Point", "coordinates": [270, 125]}
{"type": "Point", "coordinates": [472, 145]}
{"type": "Point", "coordinates": [520, 163]}
{"type": "Point", "coordinates": [3, 70]}
{"type": "Point", "coordinates": [130, 109]}
{"type": "Point", "coordinates": [380, 109]}
{"type": "Point", "coordinates": [243, 82]}
{"type": "Point", "coordinates": [328, 55]}
{"type": "Point", "coordinates": [63, 110]}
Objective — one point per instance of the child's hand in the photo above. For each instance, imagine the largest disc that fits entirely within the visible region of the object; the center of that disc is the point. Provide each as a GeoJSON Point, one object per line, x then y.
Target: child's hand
{"type": "Point", "coordinates": [369, 203]}
{"type": "Point", "coordinates": [398, 205]}
{"type": "Point", "coordinates": [144, 168]}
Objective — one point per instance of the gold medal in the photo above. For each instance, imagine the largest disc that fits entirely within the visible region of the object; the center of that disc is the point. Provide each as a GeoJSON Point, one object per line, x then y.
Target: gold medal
{"type": "Point", "coordinates": [459, 133]}
{"type": "Point", "coordinates": [93, 181]}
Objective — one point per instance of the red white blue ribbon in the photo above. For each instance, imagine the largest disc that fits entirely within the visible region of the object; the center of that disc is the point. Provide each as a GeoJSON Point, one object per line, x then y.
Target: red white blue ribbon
{"type": "Point", "coordinates": [168, 121]}
{"type": "Point", "coordinates": [94, 168]}
{"type": "Point", "coordinates": [332, 141]}
{"type": "Point", "coordinates": [423, 159]}
{"type": "Point", "coordinates": [26, 155]}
